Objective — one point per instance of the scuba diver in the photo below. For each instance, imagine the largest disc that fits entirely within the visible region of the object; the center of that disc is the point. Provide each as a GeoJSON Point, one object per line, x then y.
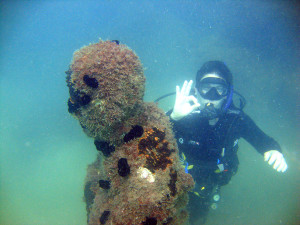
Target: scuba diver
{"type": "Point", "coordinates": [207, 126]}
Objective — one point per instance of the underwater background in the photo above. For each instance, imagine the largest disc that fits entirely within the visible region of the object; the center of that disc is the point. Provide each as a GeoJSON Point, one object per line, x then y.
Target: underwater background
{"type": "Point", "coordinates": [43, 150]}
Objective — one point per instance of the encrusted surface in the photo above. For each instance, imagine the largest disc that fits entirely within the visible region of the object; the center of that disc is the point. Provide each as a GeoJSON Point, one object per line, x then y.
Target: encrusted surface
{"type": "Point", "coordinates": [96, 80]}
{"type": "Point", "coordinates": [152, 189]}
{"type": "Point", "coordinates": [137, 177]}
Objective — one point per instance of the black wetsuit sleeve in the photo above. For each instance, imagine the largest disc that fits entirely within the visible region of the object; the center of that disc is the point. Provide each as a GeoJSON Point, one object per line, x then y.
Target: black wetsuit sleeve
{"type": "Point", "coordinates": [179, 126]}
{"type": "Point", "coordinates": [255, 136]}
{"type": "Point", "coordinates": [169, 113]}
{"type": "Point", "coordinates": [174, 123]}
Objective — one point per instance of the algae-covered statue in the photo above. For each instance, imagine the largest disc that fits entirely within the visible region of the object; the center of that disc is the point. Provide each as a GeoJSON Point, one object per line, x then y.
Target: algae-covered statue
{"type": "Point", "coordinates": [137, 177]}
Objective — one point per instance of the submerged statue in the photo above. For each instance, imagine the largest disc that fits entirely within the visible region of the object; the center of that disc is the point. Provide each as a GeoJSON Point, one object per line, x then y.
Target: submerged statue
{"type": "Point", "coordinates": [137, 177]}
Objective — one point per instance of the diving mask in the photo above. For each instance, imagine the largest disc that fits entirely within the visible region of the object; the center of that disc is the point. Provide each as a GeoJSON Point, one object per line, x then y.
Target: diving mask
{"type": "Point", "coordinates": [213, 88]}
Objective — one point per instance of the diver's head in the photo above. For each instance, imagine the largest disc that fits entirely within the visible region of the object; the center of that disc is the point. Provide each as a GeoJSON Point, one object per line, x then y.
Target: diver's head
{"type": "Point", "coordinates": [213, 88]}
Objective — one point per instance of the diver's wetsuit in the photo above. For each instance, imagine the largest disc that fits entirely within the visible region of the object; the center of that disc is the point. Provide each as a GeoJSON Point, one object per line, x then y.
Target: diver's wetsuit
{"type": "Point", "coordinates": [206, 147]}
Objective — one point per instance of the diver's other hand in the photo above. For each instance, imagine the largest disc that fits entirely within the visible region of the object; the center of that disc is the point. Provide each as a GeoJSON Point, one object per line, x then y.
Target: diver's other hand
{"type": "Point", "coordinates": [183, 101]}
{"type": "Point", "coordinates": [274, 156]}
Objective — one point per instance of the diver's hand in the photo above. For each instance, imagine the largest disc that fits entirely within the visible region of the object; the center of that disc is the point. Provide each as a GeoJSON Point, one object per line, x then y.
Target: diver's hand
{"type": "Point", "coordinates": [275, 156]}
{"type": "Point", "coordinates": [183, 105]}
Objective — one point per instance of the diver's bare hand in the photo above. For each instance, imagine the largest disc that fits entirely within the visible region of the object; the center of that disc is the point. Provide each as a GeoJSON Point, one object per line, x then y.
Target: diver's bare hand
{"type": "Point", "coordinates": [183, 101]}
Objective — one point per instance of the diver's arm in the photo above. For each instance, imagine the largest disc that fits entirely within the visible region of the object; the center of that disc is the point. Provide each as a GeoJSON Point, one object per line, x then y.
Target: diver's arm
{"type": "Point", "coordinates": [183, 105]}
{"type": "Point", "coordinates": [262, 143]}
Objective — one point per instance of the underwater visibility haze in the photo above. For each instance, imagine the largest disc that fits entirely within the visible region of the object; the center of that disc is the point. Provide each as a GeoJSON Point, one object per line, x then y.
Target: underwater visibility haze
{"type": "Point", "coordinates": [44, 151]}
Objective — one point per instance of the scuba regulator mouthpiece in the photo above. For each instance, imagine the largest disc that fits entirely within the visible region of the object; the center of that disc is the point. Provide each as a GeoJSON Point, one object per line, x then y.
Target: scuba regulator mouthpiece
{"type": "Point", "coordinates": [210, 111]}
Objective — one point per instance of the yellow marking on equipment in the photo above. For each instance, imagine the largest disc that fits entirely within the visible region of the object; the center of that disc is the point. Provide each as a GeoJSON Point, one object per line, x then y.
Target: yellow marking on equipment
{"type": "Point", "coordinates": [190, 167]}
{"type": "Point", "coordinates": [196, 193]}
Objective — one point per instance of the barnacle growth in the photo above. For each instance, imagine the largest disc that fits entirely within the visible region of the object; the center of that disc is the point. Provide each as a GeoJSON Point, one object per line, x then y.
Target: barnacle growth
{"type": "Point", "coordinates": [137, 177]}
{"type": "Point", "coordinates": [96, 79]}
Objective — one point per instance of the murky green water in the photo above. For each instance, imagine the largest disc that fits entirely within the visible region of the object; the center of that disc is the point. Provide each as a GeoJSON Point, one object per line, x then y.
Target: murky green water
{"type": "Point", "coordinates": [44, 153]}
